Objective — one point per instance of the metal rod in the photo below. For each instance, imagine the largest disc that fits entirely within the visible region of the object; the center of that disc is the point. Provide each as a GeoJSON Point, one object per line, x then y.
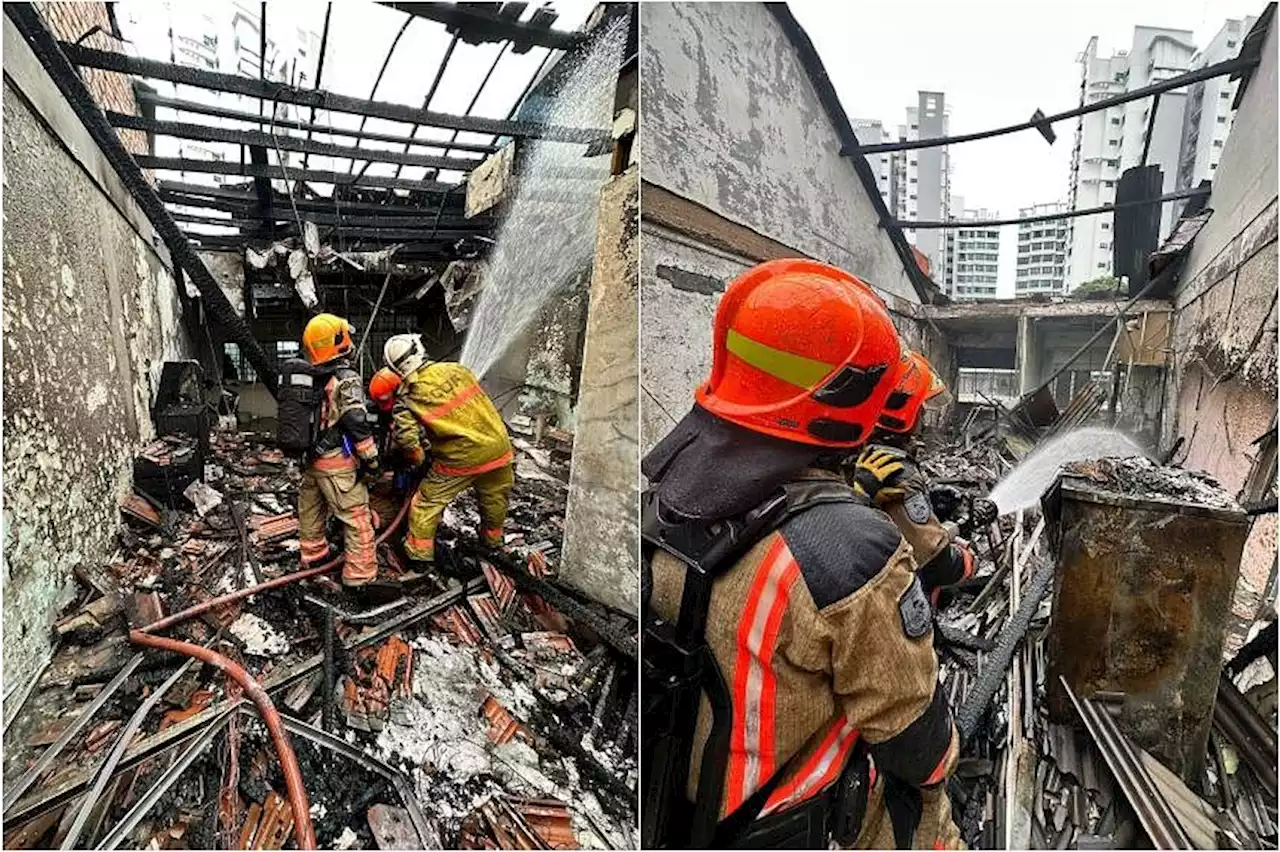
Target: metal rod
{"type": "Point", "coordinates": [195, 108]}
{"type": "Point", "coordinates": [480, 20]}
{"type": "Point", "coordinates": [1231, 66]}
{"type": "Point", "coordinates": [206, 133]}
{"type": "Point", "coordinates": [324, 44]}
{"type": "Point", "coordinates": [274, 171]}
{"type": "Point", "coordinates": [73, 89]}
{"type": "Point", "coordinates": [116, 836]}
{"type": "Point", "coordinates": [368, 329]}
{"type": "Point", "coordinates": [455, 226]}
{"type": "Point", "coordinates": [122, 742]}
{"type": "Point", "coordinates": [431, 92]}
{"type": "Point", "coordinates": [122, 64]}
{"type": "Point", "coordinates": [960, 224]}
{"type": "Point", "coordinates": [13, 792]}
{"type": "Point", "coordinates": [1151, 126]}
{"type": "Point", "coordinates": [330, 673]}
{"type": "Point", "coordinates": [377, 81]}
{"type": "Point", "coordinates": [297, 791]}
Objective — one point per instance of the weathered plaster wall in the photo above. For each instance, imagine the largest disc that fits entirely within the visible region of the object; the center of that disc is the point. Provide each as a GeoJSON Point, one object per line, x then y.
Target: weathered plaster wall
{"type": "Point", "coordinates": [601, 537]}
{"type": "Point", "coordinates": [1221, 394]}
{"type": "Point", "coordinates": [732, 122]}
{"type": "Point", "coordinates": [90, 313]}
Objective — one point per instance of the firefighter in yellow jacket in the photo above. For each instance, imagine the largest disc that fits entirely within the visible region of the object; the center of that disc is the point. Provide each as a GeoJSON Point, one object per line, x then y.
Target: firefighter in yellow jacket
{"type": "Point", "coordinates": [469, 444]}
{"type": "Point", "coordinates": [343, 458]}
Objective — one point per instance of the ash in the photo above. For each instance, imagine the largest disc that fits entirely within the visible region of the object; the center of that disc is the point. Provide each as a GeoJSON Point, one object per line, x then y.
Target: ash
{"type": "Point", "coordinates": [1144, 479]}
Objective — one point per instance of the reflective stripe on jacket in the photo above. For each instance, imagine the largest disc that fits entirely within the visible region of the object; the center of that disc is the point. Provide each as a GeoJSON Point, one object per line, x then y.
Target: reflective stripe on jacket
{"type": "Point", "coordinates": [466, 433]}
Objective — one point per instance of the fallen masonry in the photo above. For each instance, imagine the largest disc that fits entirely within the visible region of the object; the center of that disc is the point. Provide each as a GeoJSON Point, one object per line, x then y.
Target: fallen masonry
{"type": "Point", "coordinates": [485, 706]}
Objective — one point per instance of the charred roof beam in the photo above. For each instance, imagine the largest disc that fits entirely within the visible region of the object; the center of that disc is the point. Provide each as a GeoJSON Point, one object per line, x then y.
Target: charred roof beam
{"type": "Point", "coordinates": [274, 171]}
{"type": "Point", "coordinates": [205, 133]}
{"type": "Point", "coordinates": [150, 98]}
{"type": "Point", "coordinates": [476, 23]}
{"type": "Point", "coordinates": [283, 93]}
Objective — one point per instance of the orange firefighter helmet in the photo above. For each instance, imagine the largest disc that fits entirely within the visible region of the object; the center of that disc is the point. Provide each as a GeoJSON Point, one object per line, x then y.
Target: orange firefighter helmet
{"type": "Point", "coordinates": [917, 388]}
{"type": "Point", "coordinates": [804, 352]}
{"type": "Point", "coordinates": [326, 337]}
{"type": "Point", "coordinates": [382, 388]}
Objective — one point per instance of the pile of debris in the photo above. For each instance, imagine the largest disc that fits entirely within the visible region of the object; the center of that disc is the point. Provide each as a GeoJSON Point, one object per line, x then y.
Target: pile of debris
{"type": "Point", "coordinates": [487, 707]}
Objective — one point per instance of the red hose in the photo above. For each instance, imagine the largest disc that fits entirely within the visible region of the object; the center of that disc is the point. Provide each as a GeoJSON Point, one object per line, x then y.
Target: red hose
{"type": "Point", "coordinates": [307, 573]}
{"type": "Point", "coordinates": [270, 717]}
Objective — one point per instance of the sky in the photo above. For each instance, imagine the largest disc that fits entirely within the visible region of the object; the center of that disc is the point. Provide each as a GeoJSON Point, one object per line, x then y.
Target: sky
{"type": "Point", "coordinates": [996, 62]}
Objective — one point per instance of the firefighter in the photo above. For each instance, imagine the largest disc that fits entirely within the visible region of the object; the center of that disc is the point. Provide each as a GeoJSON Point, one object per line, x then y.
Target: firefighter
{"type": "Point", "coordinates": [887, 474]}
{"type": "Point", "coordinates": [833, 728]}
{"type": "Point", "coordinates": [442, 403]}
{"type": "Point", "coordinates": [385, 495]}
{"type": "Point", "coordinates": [344, 457]}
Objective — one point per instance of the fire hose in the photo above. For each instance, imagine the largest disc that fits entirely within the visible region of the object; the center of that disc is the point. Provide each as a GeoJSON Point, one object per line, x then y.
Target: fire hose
{"type": "Point", "coordinates": [294, 787]}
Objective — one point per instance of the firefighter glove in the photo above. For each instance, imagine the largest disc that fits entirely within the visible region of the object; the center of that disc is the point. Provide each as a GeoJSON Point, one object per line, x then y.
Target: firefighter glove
{"type": "Point", "coordinates": [879, 474]}
{"type": "Point", "coordinates": [984, 512]}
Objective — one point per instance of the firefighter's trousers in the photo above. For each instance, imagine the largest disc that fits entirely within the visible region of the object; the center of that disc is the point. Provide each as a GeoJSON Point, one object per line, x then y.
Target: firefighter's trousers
{"type": "Point", "coordinates": [935, 830]}
{"type": "Point", "coordinates": [329, 487]}
{"type": "Point", "coordinates": [437, 491]}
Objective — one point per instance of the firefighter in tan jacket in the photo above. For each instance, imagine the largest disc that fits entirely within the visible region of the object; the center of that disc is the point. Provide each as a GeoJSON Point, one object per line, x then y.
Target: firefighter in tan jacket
{"type": "Point", "coordinates": [821, 632]}
{"type": "Point", "coordinates": [469, 445]}
{"type": "Point", "coordinates": [343, 459]}
{"type": "Point", "coordinates": [887, 475]}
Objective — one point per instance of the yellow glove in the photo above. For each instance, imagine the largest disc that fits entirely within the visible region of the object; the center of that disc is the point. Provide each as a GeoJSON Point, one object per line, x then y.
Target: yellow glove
{"type": "Point", "coordinates": [878, 475]}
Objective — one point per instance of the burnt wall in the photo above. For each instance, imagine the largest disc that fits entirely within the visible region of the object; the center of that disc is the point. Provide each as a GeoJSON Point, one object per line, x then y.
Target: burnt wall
{"type": "Point", "coordinates": [91, 311]}
{"type": "Point", "coordinates": [1221, 393]}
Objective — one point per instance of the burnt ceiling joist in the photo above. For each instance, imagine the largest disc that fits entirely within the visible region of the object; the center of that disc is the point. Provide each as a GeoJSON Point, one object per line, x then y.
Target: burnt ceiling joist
{"type": "Point", "coordinates": [151, 99]}
{"type": "Point", "coordinates": [230, 199]}
{"type": "Point", "coordinates": [273, 171]}
{"type": "Point", "coordinates": [205, 133]}
{"type": "Point", "coordinates": [382, 232]}
{"type": "Point", "coordinates": [478, 23]}
{"type": "Point", "coordinates": [245, 216]}
{"type": "Point", "coordinates": [279, 92]}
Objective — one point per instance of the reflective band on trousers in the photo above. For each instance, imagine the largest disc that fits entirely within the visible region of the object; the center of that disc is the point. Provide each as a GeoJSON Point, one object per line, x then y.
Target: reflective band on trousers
{"type": "Point", "coordinates": [752, 742]}
{"type": "Point", "coordinates": [332, 464]}
{"type": "Point", "coordinates": [795, 369]}
{"type": "Point", "coordinates": [420, 543]}
{"type": "Point", "coordinates": [501, 460]}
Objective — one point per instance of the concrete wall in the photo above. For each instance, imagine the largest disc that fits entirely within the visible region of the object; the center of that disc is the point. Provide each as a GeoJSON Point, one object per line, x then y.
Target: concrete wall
{"type": "Point", "coordinates": [91, 311]}
{"type": "Point", "coordinates": [601, 535]}
{"type": "Point", "coordinates": [1221, 394]}
{"type": "Point", "coordinates": [749, 168]}
{"type": "Point", "coordinates": [732, 122]}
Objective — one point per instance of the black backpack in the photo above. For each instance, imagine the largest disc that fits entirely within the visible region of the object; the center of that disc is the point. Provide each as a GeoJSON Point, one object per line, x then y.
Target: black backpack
{"type": "Point", "coordinates": [299, 398]}
{"type": "Point", "coordinates": [677, 668]}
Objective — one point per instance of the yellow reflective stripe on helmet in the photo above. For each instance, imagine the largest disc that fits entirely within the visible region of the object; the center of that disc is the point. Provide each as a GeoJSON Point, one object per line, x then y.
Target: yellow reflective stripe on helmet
{"type": "Point", "coordinates": [796, 369]}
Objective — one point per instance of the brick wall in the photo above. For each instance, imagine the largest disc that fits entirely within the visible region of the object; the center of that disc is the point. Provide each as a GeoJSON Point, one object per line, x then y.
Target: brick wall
{"type": "Point", "coordinates": [69, 21]}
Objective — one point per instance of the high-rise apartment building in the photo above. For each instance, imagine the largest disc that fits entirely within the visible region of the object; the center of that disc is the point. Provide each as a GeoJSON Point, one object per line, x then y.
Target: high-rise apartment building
{"type": "Point", "coordinates": [1208, 111]}
{"type": "Point", "coordinates": [972, 255]}
{"type": "Point", "coordinates": [1042, 252]}
{"type": "Point", "coordinates": [921, 179]}
{"type": "Point", "coordinates": [1108, 142]}
{"type": "Point", "coordinates": [870, 131]}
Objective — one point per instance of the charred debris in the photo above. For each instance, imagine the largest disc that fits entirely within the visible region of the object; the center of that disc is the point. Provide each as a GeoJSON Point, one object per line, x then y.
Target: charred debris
{"type": "Point", "coordinates": [489, 708]}
{"type": "Point", "coordinates": [1111, 737]}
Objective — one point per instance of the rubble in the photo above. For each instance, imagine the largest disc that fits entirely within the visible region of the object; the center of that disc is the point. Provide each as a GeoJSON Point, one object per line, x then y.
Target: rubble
{"type": "Point", "coordinates": [458, 694]}
{"type": "Point", "coordinates": [1142, 478]}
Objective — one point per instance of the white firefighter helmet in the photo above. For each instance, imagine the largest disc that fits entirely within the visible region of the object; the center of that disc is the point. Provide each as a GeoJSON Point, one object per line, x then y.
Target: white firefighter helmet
{"type": "Point", "coordinates": [404, 353]}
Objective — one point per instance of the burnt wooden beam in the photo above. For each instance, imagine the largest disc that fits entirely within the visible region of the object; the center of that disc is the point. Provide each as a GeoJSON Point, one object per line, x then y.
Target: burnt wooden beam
{"type": "Point", "coordinates": [449, 223]}
{"type": "Point", "coordinates": [274, 171]}
{"type": "Point", "coordinates": [477, 23]}
{"type": "Point", "coordinates": [195, 108]}
{"type": "Point", "coordinates": [104, 60]}
{"type": "Point", "coordinates": [205, 133]}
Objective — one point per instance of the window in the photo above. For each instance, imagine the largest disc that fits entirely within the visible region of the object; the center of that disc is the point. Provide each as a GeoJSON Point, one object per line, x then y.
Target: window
{"type": "Point", "coordinates": [235, 366]}
{"type": "Point", "coordinates": [286, 349]}
{"type": "Point", "coordinates": [1222, 119]}
{"type": "Point", "coordinates": [1230, 44]}
{"type": "Point", "coordinates": [1106, 226]}
{"type": "Point", "coordinates": [1225, 95]}
{"type": "Point", "coordinates": [1108, 183]}
{"type": "Point", "coordinates": [1217, 143]}
{"type": "Point", "coordinates": [1113, 142]}
{"type": "Point", "coordinates": [1102, 265]}
{"type": "Point", "coordinates": [1116, 122]}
